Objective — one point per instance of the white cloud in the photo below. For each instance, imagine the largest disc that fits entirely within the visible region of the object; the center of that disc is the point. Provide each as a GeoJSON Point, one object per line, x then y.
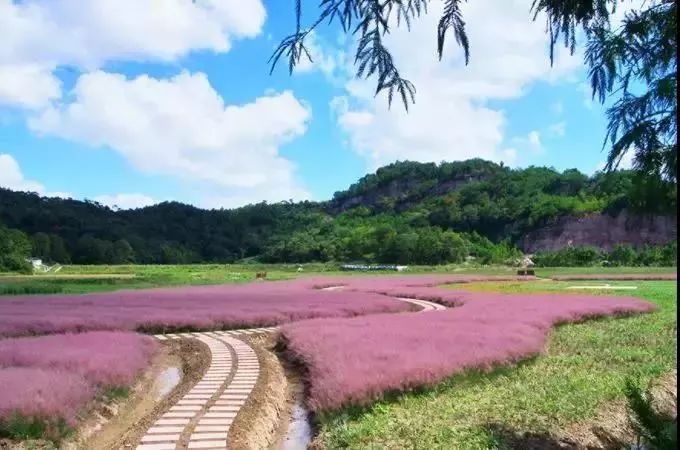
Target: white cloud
{"type": "Point", "coordinates": [531, 142]}
{"type": "Point", "coordinates": [451, 118]}
{"type": "Point", "coordinates": [41, 35]}
{"type": "Point", "coordinates": [534, 139]}
{"type": "Point", "coordinates": [125, 201]}
{"type": "Point", "coordinates": [626, 162]}
{"type": "Point", "coordinates": [558, 129]}
{"type": "Point", "coordinates": [11, 177]}
{"type": "Point", "coordinates": [330, 61]}
{"type": "Point", "coordinates": [181, 127]}
{"type": "Point", "coordinates": [28, 86]}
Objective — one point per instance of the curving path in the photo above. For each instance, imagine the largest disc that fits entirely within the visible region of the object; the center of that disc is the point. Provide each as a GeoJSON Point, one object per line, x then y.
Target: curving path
{"type": "Point", "coordinates": [202, 417]}
{"type": "Point", "coordinates": [426, 305]}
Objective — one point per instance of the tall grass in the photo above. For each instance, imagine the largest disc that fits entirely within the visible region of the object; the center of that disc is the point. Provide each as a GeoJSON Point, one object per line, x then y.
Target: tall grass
{"type": "Point", "coordinates": [46, 382]}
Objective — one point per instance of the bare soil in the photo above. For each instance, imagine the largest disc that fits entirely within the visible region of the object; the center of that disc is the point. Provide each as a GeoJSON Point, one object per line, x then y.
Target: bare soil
{"type": "Point", "coordinates": [609, 430]}
{"type": "Point", "coordinates": [257, 424]}
{"type": "Point", "coordinates": [141, 409]}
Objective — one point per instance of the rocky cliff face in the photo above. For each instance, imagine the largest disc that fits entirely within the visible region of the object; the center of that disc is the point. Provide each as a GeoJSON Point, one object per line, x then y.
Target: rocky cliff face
{"type": "Point", "coordinates": [603, 231]}
{"type": "Point", "coordinates": [404, 193]}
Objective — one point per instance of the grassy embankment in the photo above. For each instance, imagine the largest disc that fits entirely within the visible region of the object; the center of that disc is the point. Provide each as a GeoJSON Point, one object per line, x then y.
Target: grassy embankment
{"type": "Point", "coordinates": [584, 368]}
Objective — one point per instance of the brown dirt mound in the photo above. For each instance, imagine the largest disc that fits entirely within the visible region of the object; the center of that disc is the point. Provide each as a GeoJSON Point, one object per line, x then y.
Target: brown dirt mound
{"type": "Point", "coordinates": [257, 424]}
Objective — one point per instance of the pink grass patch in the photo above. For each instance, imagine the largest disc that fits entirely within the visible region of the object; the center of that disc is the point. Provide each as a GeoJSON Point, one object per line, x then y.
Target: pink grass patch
{"type": "Point", "coordinates": [104, 357]}
{"type": "Point", "coordinates": [55, 377]}
{"type": "Point", "coordinates": [354, 361]}
{"type": "Point", "coordinates": [42, 393]}
{"type": "Point", "coordinates": [183, 308]}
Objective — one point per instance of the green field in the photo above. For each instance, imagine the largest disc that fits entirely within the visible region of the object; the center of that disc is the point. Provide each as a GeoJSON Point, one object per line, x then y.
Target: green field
{"type": "Point", "coordinates": [96, 278]}
{"type": "Point", "coordinates": [584, 367]}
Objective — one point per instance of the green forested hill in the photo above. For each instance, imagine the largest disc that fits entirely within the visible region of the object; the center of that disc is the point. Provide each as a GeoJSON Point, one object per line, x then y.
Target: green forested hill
{"type": "Point", "coordinates": [404, 213]}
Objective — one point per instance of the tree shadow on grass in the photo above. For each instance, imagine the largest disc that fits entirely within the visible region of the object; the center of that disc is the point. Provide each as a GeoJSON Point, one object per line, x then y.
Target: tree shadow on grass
{"type": "Point", "coordinates": [509, 439]}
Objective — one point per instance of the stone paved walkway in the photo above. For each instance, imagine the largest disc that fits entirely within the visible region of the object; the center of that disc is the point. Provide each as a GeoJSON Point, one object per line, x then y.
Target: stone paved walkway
{"type": "Point", "coordinates": [205, 414]}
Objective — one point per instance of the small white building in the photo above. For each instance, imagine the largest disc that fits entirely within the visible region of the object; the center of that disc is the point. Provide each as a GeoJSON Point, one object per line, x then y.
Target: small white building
{"type": "Point", "coordinates": [37, 263]}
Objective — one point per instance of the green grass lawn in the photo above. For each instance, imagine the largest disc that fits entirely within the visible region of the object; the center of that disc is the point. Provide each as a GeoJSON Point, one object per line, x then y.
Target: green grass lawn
{"type": "Point", "coordinates": [585, 366]}
{"type": "Point", "coordinates": [82, 279]}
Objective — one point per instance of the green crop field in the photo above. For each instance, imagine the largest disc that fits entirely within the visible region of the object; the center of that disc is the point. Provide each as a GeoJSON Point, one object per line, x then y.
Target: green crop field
{"type": "Point", "coordinates": [81, 279]}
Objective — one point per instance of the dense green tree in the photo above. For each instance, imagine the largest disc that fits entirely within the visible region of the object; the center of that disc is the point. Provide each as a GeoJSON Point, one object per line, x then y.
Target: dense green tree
{"type": "Point", "coordinates": [41, 246]}
{"type": "Point", "coordinates": [90, 250]}
{"type": "Point", "coordinates": [122, 252]}
{"type": "Point", "coordinates": [438, 213]}
{"type": "Point", "coordinates": [15, 249]}
{"type": "Point", "coordinates": [58, 252]}
{"type": "Point", "coordinates": [622, 255]}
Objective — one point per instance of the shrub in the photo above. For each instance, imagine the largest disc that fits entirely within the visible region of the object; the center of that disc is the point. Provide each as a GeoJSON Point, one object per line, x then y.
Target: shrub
{"type": "Point", "coordinates": [622, 255]}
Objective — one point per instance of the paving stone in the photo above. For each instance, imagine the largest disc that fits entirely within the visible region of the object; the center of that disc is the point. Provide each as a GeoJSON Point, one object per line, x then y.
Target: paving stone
{"type": "Point", "coordinates": [209, 435]}
{"type": "Point", "coordinates": [162, 421]}
{"type": "Point", "coordinates": [211, 428]}
{"type": "Point", "coordinates": [160, 438]}
{"type": "Point", "coordinates": [174, 414]}
{"type": "Point", "coordinates": [219, 415]}
{"type": "Point", "coordinates": [221, 444]}
{"type": "Point", "coordinates": [165, 429]}
{"type": "Point", "coordinates": [224, 422]}
{"type": "Point", "coordinates": [156, 447]}
{"type": "Point", "coordinates": [186, 408]}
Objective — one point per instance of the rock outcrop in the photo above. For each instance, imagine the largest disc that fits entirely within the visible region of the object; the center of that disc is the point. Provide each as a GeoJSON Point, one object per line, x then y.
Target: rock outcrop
{"type": "Point", "coordinates": [603, 231]}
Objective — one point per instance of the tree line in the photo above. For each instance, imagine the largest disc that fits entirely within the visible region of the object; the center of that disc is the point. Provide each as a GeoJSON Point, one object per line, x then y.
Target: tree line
{"type": "Point", "coordinates": [406, 213]}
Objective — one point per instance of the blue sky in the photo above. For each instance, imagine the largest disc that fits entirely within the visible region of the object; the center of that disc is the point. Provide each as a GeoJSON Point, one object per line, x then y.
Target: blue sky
{"type": "Point", "coordinates": [131, 103]}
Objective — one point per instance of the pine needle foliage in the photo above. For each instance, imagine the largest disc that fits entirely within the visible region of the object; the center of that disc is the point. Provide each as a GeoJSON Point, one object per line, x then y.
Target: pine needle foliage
{"type": "Point", "coordinates": [633, 65]}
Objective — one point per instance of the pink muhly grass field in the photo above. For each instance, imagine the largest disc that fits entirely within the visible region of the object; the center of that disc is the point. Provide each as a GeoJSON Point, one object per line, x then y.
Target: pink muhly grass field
{"type": "Point", "coordinates": [55, 377]}
{"type": "Point", "coordinates": [356, 360]}
{"type": "Point", "coordinates": [185, 308]}
{"type": "Point", "coordinates": [42, 394]}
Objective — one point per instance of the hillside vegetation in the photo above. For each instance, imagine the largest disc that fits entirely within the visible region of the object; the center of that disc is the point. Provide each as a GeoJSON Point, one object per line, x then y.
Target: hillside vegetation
{"type": "Point", "coordinates": [407, 212]}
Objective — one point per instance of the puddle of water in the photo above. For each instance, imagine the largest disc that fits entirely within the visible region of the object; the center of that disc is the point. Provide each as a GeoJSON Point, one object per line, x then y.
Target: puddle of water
{"type": "Point", "coordinates": [167, 380]}
{"type": "Point", "coordinates": [299, 434]}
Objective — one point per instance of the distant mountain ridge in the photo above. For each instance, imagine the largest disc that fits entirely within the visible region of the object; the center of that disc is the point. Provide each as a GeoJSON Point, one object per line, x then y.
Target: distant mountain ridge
{"type": "Point", "coordinates": [405, 212]}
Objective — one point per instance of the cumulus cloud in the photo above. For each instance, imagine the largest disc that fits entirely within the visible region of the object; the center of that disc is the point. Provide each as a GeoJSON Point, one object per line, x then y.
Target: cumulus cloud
{"type": "Point", "coordinates": [181, 127]}
{"type": "Point", "coordinates": [326, 59]}
{"type": "Point", "coordinates": [125, 201]}
{"type": "Point", "coordinates": [452, 117]}
{"type": "Point", "coordinates": [11, 177]}
{"type": "Point", "coordinates": [558, 129]}
{"type": "Point", "coordinates": [28, 86]}
{"type": "Point", "coordinates": [41, 35]}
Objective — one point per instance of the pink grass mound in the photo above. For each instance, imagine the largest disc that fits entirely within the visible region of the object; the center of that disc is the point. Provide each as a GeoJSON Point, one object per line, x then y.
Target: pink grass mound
{"type": "Point", "coordinates": [43, 394]}
{"type": "Point", "coordinates": [354, 361]}
{"type": "Point", "coordinates": [185, 308]}
{"type": "Point", "coordinates": [104, 357]}
{"type": "Point", "coordinates": [54, 377]}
